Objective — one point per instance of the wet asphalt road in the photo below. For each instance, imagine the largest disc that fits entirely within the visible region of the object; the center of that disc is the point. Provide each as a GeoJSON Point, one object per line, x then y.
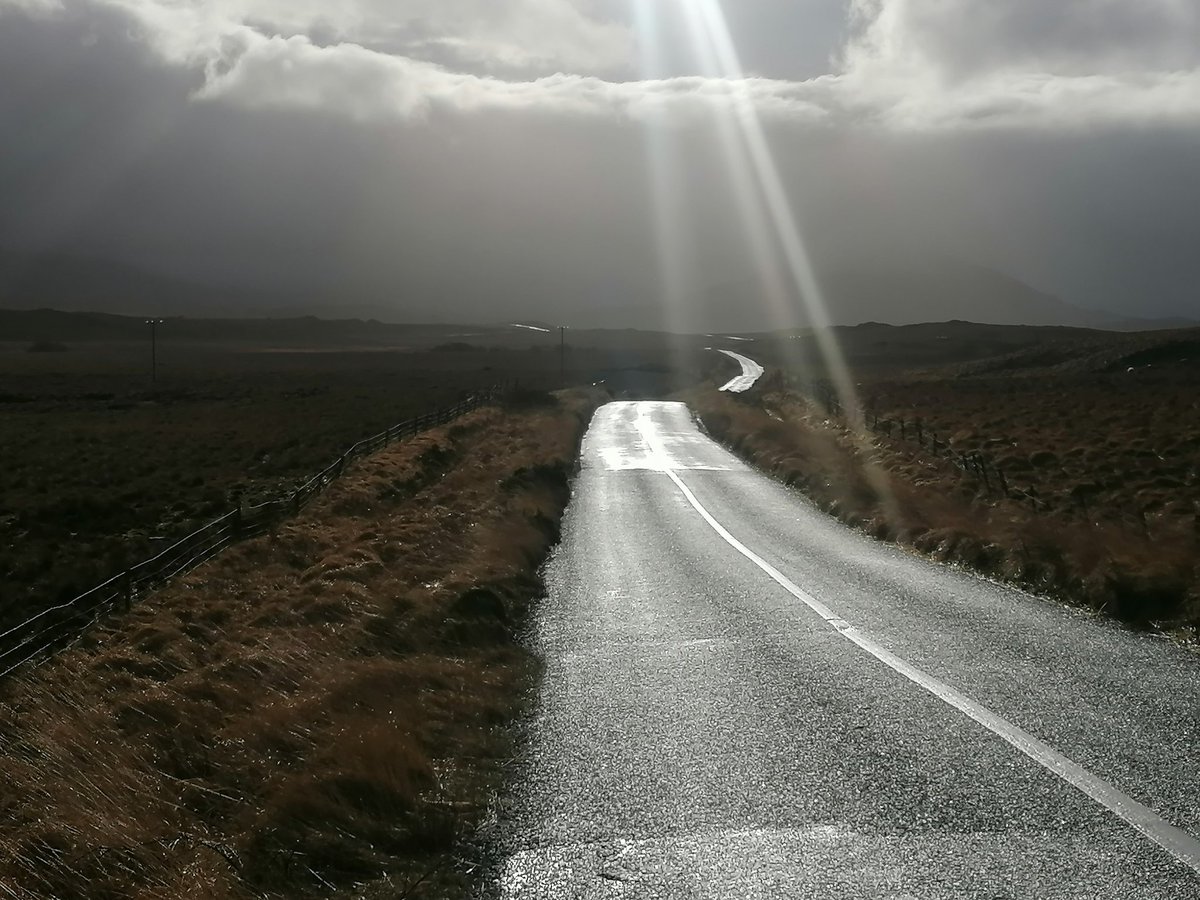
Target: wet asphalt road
{"type": "Point", "coordinates": [714, 723]}
{"type": "Point", "coordinates": [751, 372]}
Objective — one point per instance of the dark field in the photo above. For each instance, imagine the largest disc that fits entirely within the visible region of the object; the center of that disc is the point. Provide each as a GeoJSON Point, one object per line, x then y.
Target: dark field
{"type": "Point", "coordinates": [1104, 430]}
{"type": "Point", "coordinates": [100, 465]}
{"type": "Point", "coordinates": [1117, 448]}
{"type": "Point", "coordinates": [1097, 433]}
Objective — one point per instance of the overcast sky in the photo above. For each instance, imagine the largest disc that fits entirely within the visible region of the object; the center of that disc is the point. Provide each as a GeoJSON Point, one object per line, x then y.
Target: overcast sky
{"type": "Point", "coordinates": [608, 161]}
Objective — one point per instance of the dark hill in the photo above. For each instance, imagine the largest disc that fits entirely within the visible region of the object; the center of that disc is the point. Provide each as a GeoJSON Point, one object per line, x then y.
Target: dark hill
{"type": "Point", "coordinates": [937, 291]}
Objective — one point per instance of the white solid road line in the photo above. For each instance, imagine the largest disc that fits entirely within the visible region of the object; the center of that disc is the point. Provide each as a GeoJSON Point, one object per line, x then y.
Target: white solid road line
{"type": "Point", "coordinates": [751, 372]}
{"type": "Point", "coordinates": [1175, 841]}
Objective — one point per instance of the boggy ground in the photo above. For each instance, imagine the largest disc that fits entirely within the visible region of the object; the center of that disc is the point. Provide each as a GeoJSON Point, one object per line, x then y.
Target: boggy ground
{"type": "Point", "coordinates": [100, 467]}
{"type": "Point", "coordinates": [317, 712]}
{"type": "Point", "coordinates": [1100, 453]}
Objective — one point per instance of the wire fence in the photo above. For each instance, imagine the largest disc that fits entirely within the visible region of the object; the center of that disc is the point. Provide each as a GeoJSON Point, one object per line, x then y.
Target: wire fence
{"type": "Point", "coordinates": [975, 463]}
{"type": "Point", "coordinates": [55, 627]}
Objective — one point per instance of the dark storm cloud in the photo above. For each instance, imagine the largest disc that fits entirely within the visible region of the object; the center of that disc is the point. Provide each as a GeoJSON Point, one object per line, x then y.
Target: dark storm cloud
{"type": "Point", "coordinates": [81, 103]}
{"type": "Point", "coordinates": [352, 160]}
{"type": "Point", "coordinates": [453, 218]}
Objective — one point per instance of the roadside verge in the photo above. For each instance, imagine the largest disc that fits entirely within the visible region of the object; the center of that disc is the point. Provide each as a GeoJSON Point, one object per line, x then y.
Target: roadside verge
{"type": "Point", "coordinates": [858, 478]}
{"type": "Point", "coordinates": [320, 711]}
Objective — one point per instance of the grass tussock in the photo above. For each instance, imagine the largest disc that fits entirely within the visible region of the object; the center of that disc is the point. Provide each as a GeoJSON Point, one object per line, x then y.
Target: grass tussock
{"type": "Point", "coordinates": [319, 712]}
{"type": "Point", "coordinates": [1090, 555]}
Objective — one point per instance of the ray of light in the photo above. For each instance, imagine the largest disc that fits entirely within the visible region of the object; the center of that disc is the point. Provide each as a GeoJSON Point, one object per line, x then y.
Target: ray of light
{"type": "Point", "coordinates": [710, 18]}
{"type": "Point", "coordinates": [764, 200]}
{"type": "Point", "coordinates": [666, 190]}
{"type": "Point", "coordinates": [756, 228]}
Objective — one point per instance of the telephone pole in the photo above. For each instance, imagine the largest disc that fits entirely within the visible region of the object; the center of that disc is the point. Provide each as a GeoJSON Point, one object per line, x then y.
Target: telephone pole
{"type": "Point", "coordinates": [562, 352]}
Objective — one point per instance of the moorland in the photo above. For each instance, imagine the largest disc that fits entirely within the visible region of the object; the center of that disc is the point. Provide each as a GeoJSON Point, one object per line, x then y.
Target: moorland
{"type": "Point", "coordinates": [104, 461]}
{"type": "Point", "coordinates": [1063, 460]}
{"type": "Point", "coordinates": [316, 712]}
{"type": "Point", "coordinates": [327, 709]}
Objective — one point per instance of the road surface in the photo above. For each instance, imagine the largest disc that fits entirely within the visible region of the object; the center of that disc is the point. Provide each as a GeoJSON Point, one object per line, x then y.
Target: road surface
{"type": "Point", "coordinates": [744, 699]}
{"type": "Point", "coordinates": [751, 372]}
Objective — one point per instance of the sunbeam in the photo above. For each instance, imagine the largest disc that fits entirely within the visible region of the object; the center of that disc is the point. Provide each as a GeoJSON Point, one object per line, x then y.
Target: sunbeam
{"type": "Point", "coordinates": [757, 232]}
{"type": "Point", "coordinates": [708, 18]}
{"type": "Point", "coordinates": [665, 189]}
{"type": "Point", "coordinates": [772, 228]}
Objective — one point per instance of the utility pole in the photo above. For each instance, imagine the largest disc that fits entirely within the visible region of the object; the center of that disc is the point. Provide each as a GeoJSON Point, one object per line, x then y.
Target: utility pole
{"type": "Point", "coordinates": [562, 352]}
{"type": "Point", "coordinates": [154, 323]}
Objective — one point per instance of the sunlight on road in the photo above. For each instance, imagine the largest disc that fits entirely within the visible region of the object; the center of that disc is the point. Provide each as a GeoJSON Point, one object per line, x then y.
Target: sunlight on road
{"type": "Point", "coordinates": [751, 372]}
{"type": "Point", "coordinates": [769, 223]}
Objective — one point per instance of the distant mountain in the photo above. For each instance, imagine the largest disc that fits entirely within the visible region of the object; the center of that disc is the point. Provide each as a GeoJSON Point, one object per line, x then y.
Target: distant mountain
{"type": "Point", "coordinates": [31, 281]}
{"type": "Point", "coordinates": [940, 292]}
{"type": "Point", "coordinates": [946, 291]}
{"type": "Point", "coordinates": [893, 294]}
{"type": "Point", "coordinates": [81, 284]}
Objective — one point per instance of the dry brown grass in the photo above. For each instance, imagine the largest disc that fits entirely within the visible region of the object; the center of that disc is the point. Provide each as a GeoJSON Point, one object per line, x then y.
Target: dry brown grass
{"type": "Point", "coordinates": [1141, 571]}
{"type": "Point", "coordinates": [318, 712]}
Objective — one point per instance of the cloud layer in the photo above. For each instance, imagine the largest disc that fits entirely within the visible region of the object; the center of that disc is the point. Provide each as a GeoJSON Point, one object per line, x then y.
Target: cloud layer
{"type": "Point", "coordinates": [1024, 63]}
{"type": "Point", "coordinates": [910, 65]}
{"type": "Point", "coordinates": [468, 154]}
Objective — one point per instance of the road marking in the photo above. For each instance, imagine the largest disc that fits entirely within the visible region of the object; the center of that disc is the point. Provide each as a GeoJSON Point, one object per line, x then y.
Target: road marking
{"type": "Point", "coordinates": [1175, 841]}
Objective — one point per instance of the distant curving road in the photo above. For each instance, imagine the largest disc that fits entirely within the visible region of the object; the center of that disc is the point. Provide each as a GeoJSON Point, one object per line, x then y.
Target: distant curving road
{"type": "Point", "coordinates": [751, 372]}
{"type": "Point", "coordinates": [745, 699]}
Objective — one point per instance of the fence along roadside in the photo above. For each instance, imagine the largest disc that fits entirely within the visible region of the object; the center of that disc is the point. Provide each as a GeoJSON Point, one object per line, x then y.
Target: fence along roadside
{"type": "Point", "coordinates": [55, 627]}
{"type": "Point", "coordinates": [972, 462]}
